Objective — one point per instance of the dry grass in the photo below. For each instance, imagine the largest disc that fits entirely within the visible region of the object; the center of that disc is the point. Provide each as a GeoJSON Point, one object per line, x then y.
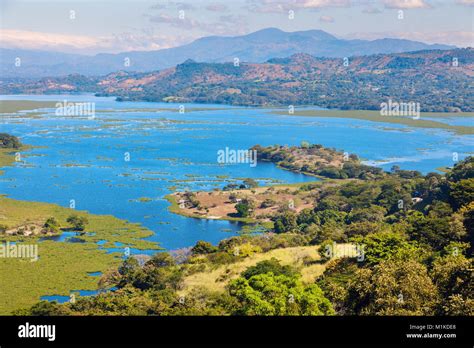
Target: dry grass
{"type": "Point", "coordinates": [217, 279]}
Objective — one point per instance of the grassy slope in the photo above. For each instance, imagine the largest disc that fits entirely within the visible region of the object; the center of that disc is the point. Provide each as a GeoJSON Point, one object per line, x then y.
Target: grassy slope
{"type": "Point", "coordinates": [217, 279]}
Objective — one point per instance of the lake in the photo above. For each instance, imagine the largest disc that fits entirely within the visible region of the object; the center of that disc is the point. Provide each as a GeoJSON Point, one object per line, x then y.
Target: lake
{"type": "Point", "coordinates": [127, 158]}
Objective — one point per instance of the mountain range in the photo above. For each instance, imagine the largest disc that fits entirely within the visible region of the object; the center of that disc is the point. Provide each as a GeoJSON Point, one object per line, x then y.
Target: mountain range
{"type": "Point", "coordinates": [256, 47]}
{"type": "Point", "coordinates": [439, 80]}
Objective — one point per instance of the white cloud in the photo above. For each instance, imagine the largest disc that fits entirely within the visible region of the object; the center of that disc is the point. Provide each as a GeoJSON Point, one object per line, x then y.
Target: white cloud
{"type": "Point", "coordinates": [216, 7]}
{"type": "Point", "coordinates": [326, 19]}
{"type": "Point", "coordinates": [225, 25]}
{"type": "Point", "coordinates": [24, 39]}
{"type": "Point", "coordinates": [268, 6]}
{"type": "Point", "coordinates": [371, 10]}
{"type": "Point", "coordinates": [465, 2]}
{"type": "Point", "coordinates": [29, 39]}
{"type": "Point", "coordinates": [406, 4]}
{"type": "Point", "coordinates": [324, 3]}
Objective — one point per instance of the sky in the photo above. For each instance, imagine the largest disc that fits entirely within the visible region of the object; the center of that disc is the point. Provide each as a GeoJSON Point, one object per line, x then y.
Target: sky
{"type": "Point", "coordinates": [95, 26]}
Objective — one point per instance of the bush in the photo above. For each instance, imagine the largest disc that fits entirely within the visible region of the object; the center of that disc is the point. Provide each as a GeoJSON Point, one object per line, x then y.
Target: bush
{"type": "Point", "coordinates": [244, 208]}
{"type": "Point", "coordinates": [270, 294]}
{"type": "Point", "coordinates": [51, 225]}
{"type": "Point", "coordinates": [203, 247]}
{"type": "Point", "coordinates": [78, 222]}
{"type": "Point", "coordinates": [8, 141]}
{"type": "Point", "coordinates": [267, 266]}
{"type": "Point", "coordinates": [267, 203]}
{"type": "Point", "coordinates": [286, 223]}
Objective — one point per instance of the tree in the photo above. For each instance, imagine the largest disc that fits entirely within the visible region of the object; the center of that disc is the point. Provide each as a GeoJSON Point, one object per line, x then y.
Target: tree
{"type": "Point", "coordinates": [203, 247]}
{"type": "Point", "coordinates": [128, 271]}
{"type": "Point", "coordinates": [374, 213]}
{"type": "Point", "coordinates": [51, 225]}
{"type": "Point", "coordinates": [467, 214]}
{"type": "Point", "coordinates": [384, 246]}
{"type": "Point", "coordinates": [452, 274]}
{"type": "Point", "coordinates": [270, 294]}
{"type": "Point", "coordinates": [462, 170]}
{"type": "Point", "coordinates": [286, 222]}
{"type": "Point", "coordinates": [331, 230]}
{"type": "Point", "coordinates": [394, 196]}
{"type": "Point", "coordinates": [436, 232]}
{"type": "Point", "coordinates": [160, 272]}
{"type": "Point", "coordinates": [8, 141]}
{"type": "Point", "coordinates": [244, 208]}
{"type": "Point", "coordinates": [46, 308]}
{"type": "Point", "coordinates": [268, 266]}
{"type": "Point", "coordinates": [462, 192]}
{"type": "Point", "coordinates": [363, 228]}
{"type": "Point", "coordinates": [78, 222]}
{"type": "Point", "coordinates": [306, 216]}
{"type": "Point", "coordinates": [162, 259]}
{"type": "Point", "coordinates": [267, 203]}
{"type": "Point", "coordinates": [250, 183]}
{"type": "Point", "coordinates": [395, 168]}
{"type": "Point", "coordinates": [233, 197]}
{"type": "Point", "coordinates": [394, 287]}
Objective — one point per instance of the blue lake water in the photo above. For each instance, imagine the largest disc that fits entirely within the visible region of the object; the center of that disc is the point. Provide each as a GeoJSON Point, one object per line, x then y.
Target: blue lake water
{"type": "Point", "coordinates": [85, 159]}
{"type": "Point", "coordinates": [63, 298]}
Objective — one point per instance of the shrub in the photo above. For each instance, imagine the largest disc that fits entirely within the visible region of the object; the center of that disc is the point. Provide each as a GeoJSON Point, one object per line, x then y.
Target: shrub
{"type": "Point", "coordinates": [78, 222]}
{"type": "Point", "coordinates": [203, 247]}
{"type": "Point", "coordinates": [51, 225]}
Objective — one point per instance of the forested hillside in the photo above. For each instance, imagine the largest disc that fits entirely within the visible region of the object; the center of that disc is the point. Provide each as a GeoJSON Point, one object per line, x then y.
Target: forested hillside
{"type": "Point", "coordinates": [414, 236]}
{"type": "Point", "coordinates": [438, 80]}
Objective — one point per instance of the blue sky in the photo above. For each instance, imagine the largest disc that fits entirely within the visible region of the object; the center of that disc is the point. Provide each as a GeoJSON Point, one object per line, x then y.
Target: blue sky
{"type": "Point", "coordinates": [93, 26]}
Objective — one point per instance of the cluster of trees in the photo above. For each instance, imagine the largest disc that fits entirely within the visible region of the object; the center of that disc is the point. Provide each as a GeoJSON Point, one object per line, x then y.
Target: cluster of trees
{"type": "Point", "coordinates": [190, 200]}
{"type": "Point", "coordinates": [415, 258]}
{"type": "Point", "coordinates": [434, 82]}
{"type": "Point", "coordinates": [8, 141]}
{"type": "Point", "coordinates": [431, 209]}
{"type": "Point", "coordinates": [248, 183]}
{"type": "Point", "coordinates": [301, 159]}
{"type": "Point", "coordinates": [245, 207]}
{"type": "Point", "coordinates": [76, 222]}
{"type": "Point", "coordinates": [400, 277]}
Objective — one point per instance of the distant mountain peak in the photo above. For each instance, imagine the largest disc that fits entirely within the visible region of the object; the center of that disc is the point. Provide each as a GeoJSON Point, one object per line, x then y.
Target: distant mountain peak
{"type": "Point", "coordinates": [269, 30]}
{"type": "Point", "coordinates": [315, 34]}
{"type": "Point", "coordinates": [257, 47]}
{"type": "Point", "coordinates": [188, 62]}
{"type": "Point", "coordinates": [266, 31]}
{"type": "Point", "coordinates": [272, 34]}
